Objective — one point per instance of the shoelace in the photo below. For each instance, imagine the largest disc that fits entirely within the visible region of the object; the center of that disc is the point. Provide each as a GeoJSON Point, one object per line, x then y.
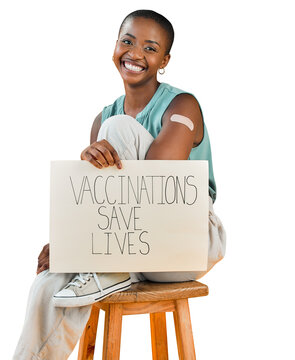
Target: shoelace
{"type": "Point", "coordinates": [83, 278]}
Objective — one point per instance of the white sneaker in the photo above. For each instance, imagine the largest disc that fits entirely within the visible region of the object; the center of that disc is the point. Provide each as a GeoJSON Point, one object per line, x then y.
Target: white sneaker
{"type": "Point", "coordinates": [87, 288]}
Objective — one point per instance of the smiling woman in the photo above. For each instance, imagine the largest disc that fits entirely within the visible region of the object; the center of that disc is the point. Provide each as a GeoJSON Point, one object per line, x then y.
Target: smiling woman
{"type": "Point", "coordinates": [151, 121]}
{"type": "Point", "coordinates": [141, 49]}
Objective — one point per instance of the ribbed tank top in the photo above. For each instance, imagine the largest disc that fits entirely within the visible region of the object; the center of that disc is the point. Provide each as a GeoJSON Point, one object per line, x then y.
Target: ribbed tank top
{"type": "Point", "coordinates": [151, 118]}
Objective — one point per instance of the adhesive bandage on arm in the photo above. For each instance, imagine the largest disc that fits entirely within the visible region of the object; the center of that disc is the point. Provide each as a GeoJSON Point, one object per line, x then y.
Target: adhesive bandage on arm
{"type": "Point", "coordinates": [183, 120]}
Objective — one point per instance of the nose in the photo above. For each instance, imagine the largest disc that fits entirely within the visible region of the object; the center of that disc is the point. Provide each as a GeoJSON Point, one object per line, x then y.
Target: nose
{"type": "Point", "coordinates": [136, 52]}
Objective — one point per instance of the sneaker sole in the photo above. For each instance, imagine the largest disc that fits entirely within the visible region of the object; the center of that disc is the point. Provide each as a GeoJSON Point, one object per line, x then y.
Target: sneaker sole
{"type": "Point", "coordinates": [90, 299]}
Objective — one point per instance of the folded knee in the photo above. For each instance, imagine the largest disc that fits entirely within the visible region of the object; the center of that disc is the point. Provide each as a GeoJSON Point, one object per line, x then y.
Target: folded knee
{"type": "Point", "coordinates": [118, 121]}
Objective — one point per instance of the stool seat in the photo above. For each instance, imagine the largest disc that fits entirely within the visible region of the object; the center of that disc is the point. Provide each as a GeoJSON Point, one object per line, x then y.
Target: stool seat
{"type": "Point", "coordinates": [155, 291]}
{"type": "Point", "coordinates": [154, 298]}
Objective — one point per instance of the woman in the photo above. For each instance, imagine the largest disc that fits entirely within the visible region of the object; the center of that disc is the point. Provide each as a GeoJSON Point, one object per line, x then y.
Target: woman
{"type": "Point", "coordinates": [152, 120]}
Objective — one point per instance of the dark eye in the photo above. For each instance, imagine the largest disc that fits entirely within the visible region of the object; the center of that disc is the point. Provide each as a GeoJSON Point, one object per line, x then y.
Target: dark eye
{"type": "Point", "coordinates": [150, 48]}
{"type": "Point", "coordinates": [126, 41]}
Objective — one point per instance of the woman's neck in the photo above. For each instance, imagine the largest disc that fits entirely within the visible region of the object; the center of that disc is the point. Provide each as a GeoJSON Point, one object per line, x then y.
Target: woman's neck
{"type": "Point", "coordinates": [137, 97]}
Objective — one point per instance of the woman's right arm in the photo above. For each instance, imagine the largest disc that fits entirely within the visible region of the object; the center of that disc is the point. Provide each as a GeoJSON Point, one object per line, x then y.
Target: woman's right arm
{"type": "Point", "coordinates": [100, 154]}
{"type": "Point", "coordinates": [43, 259]}
{"type": "Point", "coordinates": [95, 128]}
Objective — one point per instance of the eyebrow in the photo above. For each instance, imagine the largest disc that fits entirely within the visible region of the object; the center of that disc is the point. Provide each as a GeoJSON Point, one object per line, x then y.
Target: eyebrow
{"type": "Point", "coordinates": [148, 41]}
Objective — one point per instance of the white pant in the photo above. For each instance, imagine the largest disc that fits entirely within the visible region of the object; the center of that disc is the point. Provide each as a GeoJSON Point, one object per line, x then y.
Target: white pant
{"type": "Point", "coordinates": [50, 332]}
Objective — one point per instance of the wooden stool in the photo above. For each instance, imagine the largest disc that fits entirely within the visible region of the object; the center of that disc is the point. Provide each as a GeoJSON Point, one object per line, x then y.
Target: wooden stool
{"type": "Point", "coordinates": [145, 297]}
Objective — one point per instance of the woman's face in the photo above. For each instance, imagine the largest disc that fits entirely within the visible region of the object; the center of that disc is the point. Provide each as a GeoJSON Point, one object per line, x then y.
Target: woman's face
{"type": "Point", "coordinates": [140, 50]}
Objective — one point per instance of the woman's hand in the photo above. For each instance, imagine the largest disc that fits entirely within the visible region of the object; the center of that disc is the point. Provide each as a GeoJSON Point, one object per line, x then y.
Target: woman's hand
{"type": "Point", "coordinates": [43, 259]}
{"type": "Point", "coordinates": [101, 154]}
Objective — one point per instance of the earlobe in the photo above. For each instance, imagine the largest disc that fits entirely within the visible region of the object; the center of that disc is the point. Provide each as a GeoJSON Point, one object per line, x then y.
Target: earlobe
{"type": "Point", "coordinates": [166, 60]}
{"type": "Point", "coordinates": [164, 64]}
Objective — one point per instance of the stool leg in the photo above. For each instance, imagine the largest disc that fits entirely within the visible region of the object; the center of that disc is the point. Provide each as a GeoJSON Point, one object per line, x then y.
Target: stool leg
{"type": "Point", "coordinates": [112, 332]}
{"type": "Point", "coordinates": [183, 330]}
{"type": "Point", "coordinates": [87, 341]}
{"type": "Point", "coordinates": [159, 336]}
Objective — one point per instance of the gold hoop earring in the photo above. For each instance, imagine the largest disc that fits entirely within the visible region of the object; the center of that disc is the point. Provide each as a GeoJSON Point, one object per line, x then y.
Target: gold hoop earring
{"type": "Point", "coordinates": [163, 72]}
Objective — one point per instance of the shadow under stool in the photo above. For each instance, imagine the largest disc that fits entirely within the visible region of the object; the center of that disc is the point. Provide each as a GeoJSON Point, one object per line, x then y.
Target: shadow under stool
{"type": "Point", "coordinates": [145, 297]}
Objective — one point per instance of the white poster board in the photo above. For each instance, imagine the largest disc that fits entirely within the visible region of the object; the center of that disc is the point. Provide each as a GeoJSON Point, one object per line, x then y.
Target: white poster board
{"type": "Point", "coordinates": [151, 215]}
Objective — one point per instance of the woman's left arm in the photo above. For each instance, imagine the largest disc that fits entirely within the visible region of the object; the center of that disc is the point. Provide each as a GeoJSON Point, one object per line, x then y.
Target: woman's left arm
{"type": "Point", "coordinates": [182, 128]}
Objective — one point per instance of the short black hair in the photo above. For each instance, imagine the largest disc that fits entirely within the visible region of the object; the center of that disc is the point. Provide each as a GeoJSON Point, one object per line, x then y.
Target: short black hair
{"type": "Point", "coordinates": [160, 19]}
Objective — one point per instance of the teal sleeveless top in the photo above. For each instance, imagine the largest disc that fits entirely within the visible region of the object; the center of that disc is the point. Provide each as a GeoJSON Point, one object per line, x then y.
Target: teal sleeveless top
{"type": "Point", "coordinates": [151, 118]}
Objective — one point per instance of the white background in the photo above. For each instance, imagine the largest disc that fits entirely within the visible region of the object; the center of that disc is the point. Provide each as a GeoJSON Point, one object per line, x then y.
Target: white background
{"type": "Point", "coordinates": [237, 57]}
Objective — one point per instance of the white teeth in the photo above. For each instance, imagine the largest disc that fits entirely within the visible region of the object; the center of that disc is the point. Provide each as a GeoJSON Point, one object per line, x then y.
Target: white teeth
{"type": "Point", "coordinates": [132, 67]}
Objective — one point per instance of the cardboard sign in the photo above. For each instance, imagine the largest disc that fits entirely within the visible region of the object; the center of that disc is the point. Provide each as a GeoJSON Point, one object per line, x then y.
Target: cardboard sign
{"type": "Point", "coordinates": [151, 215]}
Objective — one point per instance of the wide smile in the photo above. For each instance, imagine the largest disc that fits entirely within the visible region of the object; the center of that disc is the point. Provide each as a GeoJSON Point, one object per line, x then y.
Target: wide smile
{"type": "Point", "coordinates": [129, 67]}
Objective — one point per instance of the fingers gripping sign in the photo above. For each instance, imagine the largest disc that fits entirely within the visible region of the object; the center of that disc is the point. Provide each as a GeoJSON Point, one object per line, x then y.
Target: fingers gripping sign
{"type": "Point", "coordinates": [101, 154]}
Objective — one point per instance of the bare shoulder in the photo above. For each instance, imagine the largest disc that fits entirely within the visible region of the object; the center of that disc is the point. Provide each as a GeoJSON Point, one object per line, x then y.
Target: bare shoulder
{"type": "Point", "coordinates": [184, 99]}
{"type": "Point", "coordinates": [186, 105]}
{"type": "Point", "coordinates": [95, 128]}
